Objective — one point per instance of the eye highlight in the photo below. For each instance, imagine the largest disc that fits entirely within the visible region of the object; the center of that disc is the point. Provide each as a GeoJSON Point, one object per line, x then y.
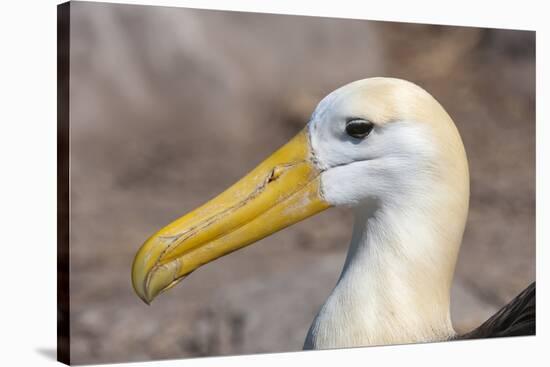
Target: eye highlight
{"type": "Point", "coordinates": [359, 128]}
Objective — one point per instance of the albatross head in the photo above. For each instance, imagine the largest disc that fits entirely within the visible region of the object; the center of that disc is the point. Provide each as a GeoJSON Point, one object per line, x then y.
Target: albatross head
{"type": "Point", "coordinates": [388, 150]}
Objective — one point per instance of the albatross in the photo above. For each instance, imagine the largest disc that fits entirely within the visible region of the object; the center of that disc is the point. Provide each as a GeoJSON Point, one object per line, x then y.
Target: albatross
{"type": "Point", "coordinates": [386, 149]}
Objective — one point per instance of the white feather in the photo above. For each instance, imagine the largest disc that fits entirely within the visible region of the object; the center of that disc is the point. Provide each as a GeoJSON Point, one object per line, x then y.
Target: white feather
{"type": "Point", "coordinates": [407, 183]}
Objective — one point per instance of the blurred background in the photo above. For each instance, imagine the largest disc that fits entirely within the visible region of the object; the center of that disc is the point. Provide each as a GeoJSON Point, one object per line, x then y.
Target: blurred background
{"type": "Point", "coordinates": [170, 106]}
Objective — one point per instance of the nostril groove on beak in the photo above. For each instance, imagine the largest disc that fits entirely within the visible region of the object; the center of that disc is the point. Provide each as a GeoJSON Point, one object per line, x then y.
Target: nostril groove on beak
{"type": "Point", "coordinates": [278, 170]}
{"type": "Point", "coordinates": [275, 174]}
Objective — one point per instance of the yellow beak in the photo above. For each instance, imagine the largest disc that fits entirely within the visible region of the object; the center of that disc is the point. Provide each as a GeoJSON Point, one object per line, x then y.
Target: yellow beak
{"type": "Point", "coordinates": [282, 190]}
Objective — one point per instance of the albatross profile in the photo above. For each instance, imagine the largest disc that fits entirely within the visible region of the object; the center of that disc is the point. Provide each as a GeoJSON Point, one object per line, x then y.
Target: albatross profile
{"type": "Point", "coordinates": [386, 149]}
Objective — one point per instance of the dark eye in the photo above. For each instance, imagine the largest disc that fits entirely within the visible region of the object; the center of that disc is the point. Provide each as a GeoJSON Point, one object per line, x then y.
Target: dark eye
{"type": "Point", "coordinates": [359, 128]}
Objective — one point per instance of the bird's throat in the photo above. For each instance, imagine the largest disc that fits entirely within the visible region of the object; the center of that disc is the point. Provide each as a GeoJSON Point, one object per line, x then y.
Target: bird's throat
{"type": "Point", "coordinates": [395, 284]}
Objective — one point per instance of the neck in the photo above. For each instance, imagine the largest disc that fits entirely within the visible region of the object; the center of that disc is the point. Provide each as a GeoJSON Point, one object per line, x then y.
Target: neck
{"type": "Point", "coordinates": [395, 284]}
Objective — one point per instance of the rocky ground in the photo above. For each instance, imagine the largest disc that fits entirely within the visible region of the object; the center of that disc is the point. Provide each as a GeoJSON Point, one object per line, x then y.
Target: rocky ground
{"type": "Point", "coordinates": [170, 106]}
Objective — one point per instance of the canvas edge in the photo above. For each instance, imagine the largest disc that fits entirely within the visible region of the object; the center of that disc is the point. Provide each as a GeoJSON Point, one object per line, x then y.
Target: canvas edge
{"type": "Point", "coordinates": [63, 84]}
